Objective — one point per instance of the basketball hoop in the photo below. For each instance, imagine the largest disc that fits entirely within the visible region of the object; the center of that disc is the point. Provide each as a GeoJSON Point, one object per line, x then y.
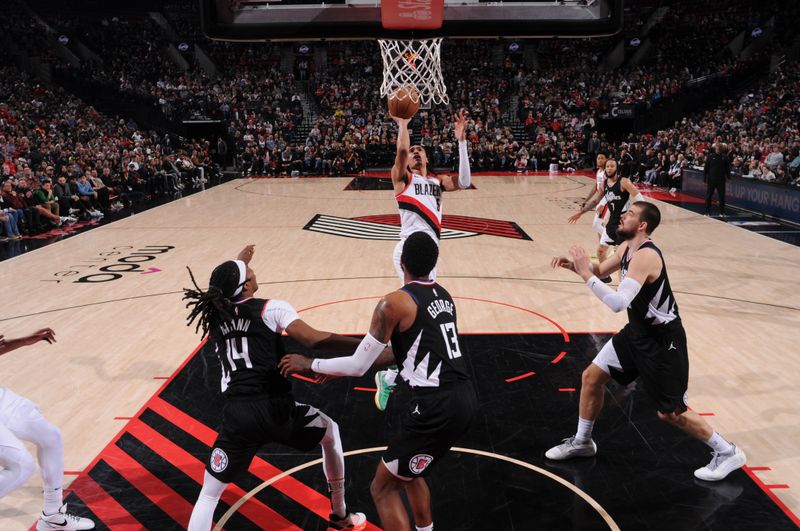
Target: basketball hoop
{"type": "Point", "coordinates": [415, 63]}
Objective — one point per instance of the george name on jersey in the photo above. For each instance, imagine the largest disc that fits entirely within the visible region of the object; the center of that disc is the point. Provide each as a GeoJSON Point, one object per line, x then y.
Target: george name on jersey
{"type": "Point", "coordinates": [237, 325]}
{"type": "Point", "coordinates": [438, 306]}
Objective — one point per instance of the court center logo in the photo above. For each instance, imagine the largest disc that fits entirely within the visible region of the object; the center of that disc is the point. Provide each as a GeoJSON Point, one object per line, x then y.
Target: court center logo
{"type": "Point", "coordinates": [219, 460]}
{"type": "Point", "coordinates": [419, 463]}
{"type": "Point", "coordinates": [387, 227]}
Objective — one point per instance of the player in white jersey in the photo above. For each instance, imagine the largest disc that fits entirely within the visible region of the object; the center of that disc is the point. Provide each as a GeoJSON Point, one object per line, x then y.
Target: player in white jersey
{"type": "Point", "coordinates": [419, 200]}
{"type": "Point", "coordinates": [602, 208]}
{"type": "Point", "coordinates": [21, 419]}
{"type": "Point", "coordinates": [419, 195]}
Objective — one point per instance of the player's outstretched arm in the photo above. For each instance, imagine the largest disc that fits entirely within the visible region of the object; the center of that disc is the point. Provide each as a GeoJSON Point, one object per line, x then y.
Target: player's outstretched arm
{"type": "Point", "coordinates": [464, 179]}
{"type": "Point", "coordinates": [633, 192]}
{"type": "Point", "coordinates": [246, 254]}
{"type": "Point", "coordinates": [644, 266]}
{"type": "Point", "coordinates": [384, 320]}
{"type": "Point", "coordinates": [310, 337]}
{"type": "Point", "coordinates": [400, 168]}
{"type": "Point", "coordinates": [45, 334]}
{"type": "Point", "coordinates": [587, 206]}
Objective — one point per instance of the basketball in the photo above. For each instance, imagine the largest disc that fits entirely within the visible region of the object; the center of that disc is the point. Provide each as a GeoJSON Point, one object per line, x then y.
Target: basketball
{"type": "Point", "coordinates": [404, 102]}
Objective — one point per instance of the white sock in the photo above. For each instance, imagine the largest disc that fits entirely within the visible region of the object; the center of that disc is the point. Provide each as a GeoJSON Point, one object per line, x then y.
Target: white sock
{"type": "Point", "coordinates": [718, 443]}
{"type": "Point", "coordinates": [390, 375]}
{"type": "Point", "coordinates": [426, 528]}
{"type": "Point", "coordinates": [203, 512]}
{"type": "Point", "coordinates": [584, 432]}
{"type": "Point", "coordinates": [53, 500]}
{"type": "Point", "coordinates": [333, 465]}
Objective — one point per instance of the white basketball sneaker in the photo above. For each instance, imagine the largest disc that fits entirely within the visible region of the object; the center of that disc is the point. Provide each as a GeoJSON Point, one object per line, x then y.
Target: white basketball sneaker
{"type": "Point", "coordinates": [63, 520]}
{"type": "Point", "coordinates": [569, 448]}
{"type": "Point", "coordinates": [351, 522]}
{"type": "Point", "coordinates": [721, 465]}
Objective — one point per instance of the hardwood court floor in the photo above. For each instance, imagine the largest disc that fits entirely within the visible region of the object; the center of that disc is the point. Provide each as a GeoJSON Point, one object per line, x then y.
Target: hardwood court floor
{"type": "Point", "coordinates": [113, 297]}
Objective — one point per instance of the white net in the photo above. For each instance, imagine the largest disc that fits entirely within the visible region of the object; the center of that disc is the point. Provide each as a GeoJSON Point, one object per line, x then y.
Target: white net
{"type": "Point", "coordinates": [415, 63]}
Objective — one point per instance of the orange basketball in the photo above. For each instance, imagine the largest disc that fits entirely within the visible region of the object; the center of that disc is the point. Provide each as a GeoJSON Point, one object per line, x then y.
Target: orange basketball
{"type": "Point", "coordinates": [404, 102]}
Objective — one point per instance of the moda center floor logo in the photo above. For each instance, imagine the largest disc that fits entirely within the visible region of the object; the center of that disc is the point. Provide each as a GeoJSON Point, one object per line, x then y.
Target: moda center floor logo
{"type": "Point", "coordinates": [112, 264]}
{"type": "Point", "coordinates": [387, 227]}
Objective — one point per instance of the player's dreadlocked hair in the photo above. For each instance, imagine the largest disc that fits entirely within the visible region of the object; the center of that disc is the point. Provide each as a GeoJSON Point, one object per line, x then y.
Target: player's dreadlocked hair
{"type": "Point", "coordinates": [213, 307]}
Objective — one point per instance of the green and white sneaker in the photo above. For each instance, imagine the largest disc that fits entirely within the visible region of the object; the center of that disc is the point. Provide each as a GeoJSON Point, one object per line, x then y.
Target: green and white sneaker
{"type": "Point", "coordinates": [383, 391]}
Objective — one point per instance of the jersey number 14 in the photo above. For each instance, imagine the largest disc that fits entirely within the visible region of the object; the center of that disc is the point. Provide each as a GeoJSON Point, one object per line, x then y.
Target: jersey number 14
{"type": "Point", "coordinates": [236, 349]}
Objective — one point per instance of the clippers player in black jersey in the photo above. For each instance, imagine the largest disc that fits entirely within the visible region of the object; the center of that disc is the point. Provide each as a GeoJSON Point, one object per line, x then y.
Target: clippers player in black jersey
{"type": "Point", "coordinates": [259, 406]}
{"type": "Point", "coordinates": [616, 193]}
{"type": "Point", "coordinates": [420, 319]}
{"type": "Point", "coordinates": [651, 347]}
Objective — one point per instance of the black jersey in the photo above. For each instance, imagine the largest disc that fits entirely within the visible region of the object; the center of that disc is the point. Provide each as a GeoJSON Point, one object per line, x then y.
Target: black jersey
{"type": "Point", "coordinates": [654, 306]}
{"type": "Point", "coordinates": [249, 350]}
{"type": "Point", "coordinates": [616, 198]}
{"type": "Point", "coordinates": [428, 352]}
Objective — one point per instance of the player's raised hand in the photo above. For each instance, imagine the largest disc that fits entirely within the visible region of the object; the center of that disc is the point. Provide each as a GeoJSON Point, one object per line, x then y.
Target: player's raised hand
{"type": "Point", "coordinates": [575, 217]}
{"type": "Point", "coordinates": [562, 261]}
{"type": "Point", "coordinates": [400, 121]}
{"type": "Point", "coordinates": [460, 125]}
{"type": "Point", "coordinates": [292, 363]}
{"type": "Point", "coordinates": [45, 334]}
{"type": "Point", "coordinates": [580, 260]}
{"type": "Point", "coordinates": [246, 254]}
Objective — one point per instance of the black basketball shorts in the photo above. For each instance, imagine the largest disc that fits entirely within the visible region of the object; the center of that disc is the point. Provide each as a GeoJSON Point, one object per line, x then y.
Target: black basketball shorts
{"type": "Point", "coordinates": [432, 423]}
{"type": "Point", "coordinates": [249, 424]}
{"type": "Point", "coordinates": [660, 360]}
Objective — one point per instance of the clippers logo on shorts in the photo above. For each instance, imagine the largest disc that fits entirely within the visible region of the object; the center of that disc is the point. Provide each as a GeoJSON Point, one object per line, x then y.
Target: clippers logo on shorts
{"type": "Point", "coordinates": [387, 227]}
{"type": "Point", "coordinates": [219, 460]}
{"type": "Point", "coordinates": [419, 463]}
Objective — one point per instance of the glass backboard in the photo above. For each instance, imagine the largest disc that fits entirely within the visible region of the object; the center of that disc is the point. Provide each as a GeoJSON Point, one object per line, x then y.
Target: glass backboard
{"type": "Point", "coordinates": [294, 20]}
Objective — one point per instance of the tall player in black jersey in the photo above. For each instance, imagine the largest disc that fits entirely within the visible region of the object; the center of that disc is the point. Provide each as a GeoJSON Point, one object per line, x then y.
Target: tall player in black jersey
{"type": "Point", "coordinates": [420, 319]}
{"type": "Point", "coordinates": [616, 192]}
{"type": "Point", "coordinates": [259, 406]}
{"type": "Point", "coordinates": [651, 347]}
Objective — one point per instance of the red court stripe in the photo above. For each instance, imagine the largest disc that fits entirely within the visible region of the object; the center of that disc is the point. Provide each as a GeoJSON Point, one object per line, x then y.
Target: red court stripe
{"type": "Point", "coordinates": [566, 389]}
{"type": "Point", "coordinates": [145, 482]}
{"type": "Point", "coordinates": [304, 378]}
{"type": "Point", "coordinates": [780, 486]}
{"type": "Point", "coordinates": [73, 472]}
{"type": "Point", "coordinates": [161, 377]}
{"type": "Point", "coordinates": [104, 506]}
{"type": "Point", "coordinates": [520, 377]}
{"type": "Point", "coordinates": [253, 509]}
{"type": "Point", "coordinates": [559, 357]}
{"type": "Point", "coordinates": [368, 389]}
{"type": "Point", "coordinates": [291, 487]}
{"type": "Point", "coordinates": [706, 414]}
{"type": "Point", "coordinates": [775, 499]}
{"type": "Point", "coordinates": [123, 418]}
{"type": "Point", "coordinates": [184, 421]}
{"type": "Point", "coordinates": [758, 468]}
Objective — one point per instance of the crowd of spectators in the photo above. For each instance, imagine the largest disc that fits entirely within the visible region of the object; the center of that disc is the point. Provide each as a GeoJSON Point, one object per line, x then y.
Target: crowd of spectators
{"type": "Point", "coordinates": [758, 131]}
{"type": "Point", "coordinates": [264, 101]}
{"type": "Point", "coordinates": [61, 161]}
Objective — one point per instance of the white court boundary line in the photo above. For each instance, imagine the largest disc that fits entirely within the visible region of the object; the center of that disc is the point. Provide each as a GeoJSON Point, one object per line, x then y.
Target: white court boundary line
{"type": "Point", "coordinates": [588, 499]}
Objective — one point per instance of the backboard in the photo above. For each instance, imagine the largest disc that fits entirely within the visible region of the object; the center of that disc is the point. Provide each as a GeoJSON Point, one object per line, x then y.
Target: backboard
{"type": "Point", "coordinates": [295, 20]}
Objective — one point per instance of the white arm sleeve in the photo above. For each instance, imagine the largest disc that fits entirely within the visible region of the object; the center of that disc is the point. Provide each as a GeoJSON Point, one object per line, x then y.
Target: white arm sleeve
{"type": "Point", "coordinates": [464, 174]}
{"type": "Point", "coordinates": [356, 365]}
{"type": "Point", "coordinates": [278, 315]}
{"type": "Point", "coordinates": [616, 300]}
